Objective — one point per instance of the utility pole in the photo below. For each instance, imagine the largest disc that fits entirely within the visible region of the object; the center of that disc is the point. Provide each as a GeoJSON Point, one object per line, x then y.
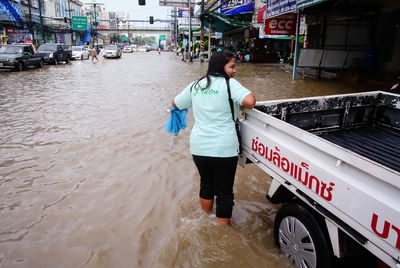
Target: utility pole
{"type": "Point", "coordinates": [95, 26]}
{"type": "Point", "coordinates": [70, 22]}
{"type": "Point", "coordinates": [41, 21]}
{"type": "Point", "coordinates": [209, 37]}
{"type": "Point", "coordinates": [190, 31]}
{"type": "Point", "coordinates": [129, 38]}
{"type": "Point", "coordinates": [202, 32]}
{"type": "Point", "coordinates": [30, 21]}
{"type": "Point", "coordinates": [117, 30]}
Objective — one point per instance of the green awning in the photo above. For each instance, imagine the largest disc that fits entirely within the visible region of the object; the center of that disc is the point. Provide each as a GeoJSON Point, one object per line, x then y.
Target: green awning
{"type": "Point", "coordinates": [281, 37]}
{"type": "Point", "coordinates": [222, 23]}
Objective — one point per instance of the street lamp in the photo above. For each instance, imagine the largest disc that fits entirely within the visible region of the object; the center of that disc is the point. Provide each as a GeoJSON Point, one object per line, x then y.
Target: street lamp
{"type": "Point", "coordinates": [95, 21]}
{"type": "Point", "coordinates": [117, 30]}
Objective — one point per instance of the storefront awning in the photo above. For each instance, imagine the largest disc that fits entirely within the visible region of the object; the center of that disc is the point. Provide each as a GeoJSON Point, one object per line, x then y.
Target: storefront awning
{"type": "Point", "coordinates": [222, 23]}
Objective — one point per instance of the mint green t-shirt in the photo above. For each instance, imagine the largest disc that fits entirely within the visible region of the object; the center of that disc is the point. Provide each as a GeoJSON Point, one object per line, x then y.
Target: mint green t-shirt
{"type": "Point", "coordinates": [213, 133]}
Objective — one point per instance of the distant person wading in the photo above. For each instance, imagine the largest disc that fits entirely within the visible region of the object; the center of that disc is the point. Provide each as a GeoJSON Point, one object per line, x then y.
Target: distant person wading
{"type": "Point", "coordinates": [94, 54]}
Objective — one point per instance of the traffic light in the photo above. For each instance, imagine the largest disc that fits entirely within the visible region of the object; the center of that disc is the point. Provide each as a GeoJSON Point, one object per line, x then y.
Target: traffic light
{"type": "Point", "coordinates": [142, 2]}
{"type": "Point", "coordinates": [65, 19]}
{"type": "Point", "coordinates": [151, 20]}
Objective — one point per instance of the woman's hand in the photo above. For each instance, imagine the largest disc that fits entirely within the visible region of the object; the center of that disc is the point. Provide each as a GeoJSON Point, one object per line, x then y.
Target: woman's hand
{"type": "Point", "coordinates": [173, 104]}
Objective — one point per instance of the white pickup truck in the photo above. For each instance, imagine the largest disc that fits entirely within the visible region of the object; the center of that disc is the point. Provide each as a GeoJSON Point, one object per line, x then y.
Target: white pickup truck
{"type": "Point", "coordinates": [335, 165]}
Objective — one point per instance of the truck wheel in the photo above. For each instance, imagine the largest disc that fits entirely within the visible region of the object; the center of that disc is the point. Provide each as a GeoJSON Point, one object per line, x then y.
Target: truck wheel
{"type": "Point", "coordinates": [67, 60]}
{"type": "Point", "coordinates": [299, 236]}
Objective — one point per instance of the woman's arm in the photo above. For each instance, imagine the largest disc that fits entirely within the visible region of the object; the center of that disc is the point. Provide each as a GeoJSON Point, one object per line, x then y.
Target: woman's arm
{"type": "Point", "coordinates": [249, 101]}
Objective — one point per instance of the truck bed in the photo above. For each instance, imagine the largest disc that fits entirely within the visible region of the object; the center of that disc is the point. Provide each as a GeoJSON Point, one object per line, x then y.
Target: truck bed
{"type": "Point", "coordinates": [378, 143]}
{"type": "Point", "coordinates": [365, 123]}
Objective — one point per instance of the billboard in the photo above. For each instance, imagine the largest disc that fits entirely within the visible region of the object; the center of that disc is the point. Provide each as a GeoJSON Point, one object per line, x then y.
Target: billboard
{"type": "Point", "coordinates": [281, 25]}
{"type": "Point", "coordinates": [236, 7]}
{"type": "Point", "coordinates": [279, 7]}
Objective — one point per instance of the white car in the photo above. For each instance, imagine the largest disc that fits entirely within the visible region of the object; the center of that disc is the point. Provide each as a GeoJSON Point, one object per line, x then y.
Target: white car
{"type": "Point", "coordinates": [128, 49]}
{"type": "Point", "coordinates": [79, 53]}
{"type": "Point", "coordinates": [113, 51]}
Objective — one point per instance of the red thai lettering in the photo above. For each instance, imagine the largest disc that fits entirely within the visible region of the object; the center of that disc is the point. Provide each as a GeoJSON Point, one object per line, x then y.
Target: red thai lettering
{"type": "Point", "coordinates": [310, 183]}
{"type": "Point", "coordinates": [326, 193]}
{"type": "Point", "coordinates": [296, 171]}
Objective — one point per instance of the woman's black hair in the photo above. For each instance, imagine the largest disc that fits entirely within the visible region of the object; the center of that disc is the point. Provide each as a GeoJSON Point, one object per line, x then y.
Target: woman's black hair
{"type": "Point", "coordinates": [216, 66]}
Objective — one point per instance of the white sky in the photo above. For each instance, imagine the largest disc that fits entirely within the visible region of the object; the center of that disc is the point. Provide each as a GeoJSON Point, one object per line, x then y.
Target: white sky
{"type": "Point", "coordinates": [137, 12]}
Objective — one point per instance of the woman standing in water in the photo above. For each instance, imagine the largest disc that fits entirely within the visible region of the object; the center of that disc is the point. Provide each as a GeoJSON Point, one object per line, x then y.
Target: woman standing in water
{"type": "Point", "coordinates": [213, 140]}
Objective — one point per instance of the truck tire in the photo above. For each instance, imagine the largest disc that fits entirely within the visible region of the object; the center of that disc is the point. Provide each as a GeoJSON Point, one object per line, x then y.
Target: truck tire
{"type": "Point", "coordinates": [300, 237]}
{"type": "Point", "coordinates": [67, 60]}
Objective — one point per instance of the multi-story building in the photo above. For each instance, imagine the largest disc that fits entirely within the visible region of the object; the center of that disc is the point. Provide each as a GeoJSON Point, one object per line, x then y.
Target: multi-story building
{"type": "Point", "coordinates": [39, 21]}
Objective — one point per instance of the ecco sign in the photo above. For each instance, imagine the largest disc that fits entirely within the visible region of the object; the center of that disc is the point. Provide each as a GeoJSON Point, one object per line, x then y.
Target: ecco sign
{"type": "Point", "coordinates": [281, 25]}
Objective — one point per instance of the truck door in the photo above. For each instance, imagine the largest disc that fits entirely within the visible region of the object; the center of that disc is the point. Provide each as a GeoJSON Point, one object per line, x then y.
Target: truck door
{"type": "Point", "coordinates": [60, 52]}
{"type": "Point", "coordinates": [28, 56]}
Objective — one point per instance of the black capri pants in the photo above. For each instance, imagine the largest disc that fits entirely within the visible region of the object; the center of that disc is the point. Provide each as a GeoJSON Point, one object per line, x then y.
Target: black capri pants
{"type": "Point", "coordinates": [217, 176]}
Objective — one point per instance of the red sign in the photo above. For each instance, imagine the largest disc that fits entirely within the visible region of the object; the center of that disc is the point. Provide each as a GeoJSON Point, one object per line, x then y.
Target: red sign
{"type": "Point", "coordinates": [261, 13]}
{"type": "Point", "coordinates": [10, 30]}
{"type": "Point", "coordinates": [281, 25]}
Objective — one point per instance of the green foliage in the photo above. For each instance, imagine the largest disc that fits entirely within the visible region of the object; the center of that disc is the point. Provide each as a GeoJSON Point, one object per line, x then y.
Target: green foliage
{"type": "Point", "coordinates": [146, 40]}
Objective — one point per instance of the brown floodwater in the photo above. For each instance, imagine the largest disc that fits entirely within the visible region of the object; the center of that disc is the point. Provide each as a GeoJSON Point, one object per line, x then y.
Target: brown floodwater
{"type": "Point", "coordinates": [87, 180]}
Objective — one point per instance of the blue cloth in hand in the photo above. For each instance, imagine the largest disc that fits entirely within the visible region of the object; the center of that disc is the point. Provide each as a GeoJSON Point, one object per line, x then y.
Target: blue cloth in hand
{"type": "Point", "coordinates": [176, 121]}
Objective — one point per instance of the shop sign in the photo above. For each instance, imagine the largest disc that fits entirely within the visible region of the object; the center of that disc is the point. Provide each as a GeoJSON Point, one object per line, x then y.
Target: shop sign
{"type": "Point", "coordinates": [236, 7]}
{"type": "Point", "coordinates": [281, 25]}
{"type": "Point", "coordinates": [184, 24]}
{"type": "Point", "coordinates": [261, 14]}
{"type": "Point", "coordinates": [279, 7]}
{"type": "Point", "coordinates": [306, 3]}
{"type": "Point", "coordinates": [183, 12]}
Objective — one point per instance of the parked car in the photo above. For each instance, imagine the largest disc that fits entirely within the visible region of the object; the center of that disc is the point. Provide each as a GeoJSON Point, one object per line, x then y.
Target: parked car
{"type": "Point", "coordinates": [79, 52]}
{"type": "Point", "coordinates": [128, 49]}
{"type": "Point", "coordinates": [113, 51]}
{"type": "Point", "coordinates": [54, 53]}
{"type": "Point", "coordinates": [19, 57]}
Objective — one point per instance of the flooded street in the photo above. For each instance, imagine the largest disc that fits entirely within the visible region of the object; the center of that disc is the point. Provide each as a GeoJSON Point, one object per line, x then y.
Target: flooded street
{"type": "Point", "coordinates": [87, 180]}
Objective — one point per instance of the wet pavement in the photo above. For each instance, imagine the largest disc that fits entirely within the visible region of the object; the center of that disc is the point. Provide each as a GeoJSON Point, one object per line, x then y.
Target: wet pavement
{"type": "Point", "coordinates": [87, 180]}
